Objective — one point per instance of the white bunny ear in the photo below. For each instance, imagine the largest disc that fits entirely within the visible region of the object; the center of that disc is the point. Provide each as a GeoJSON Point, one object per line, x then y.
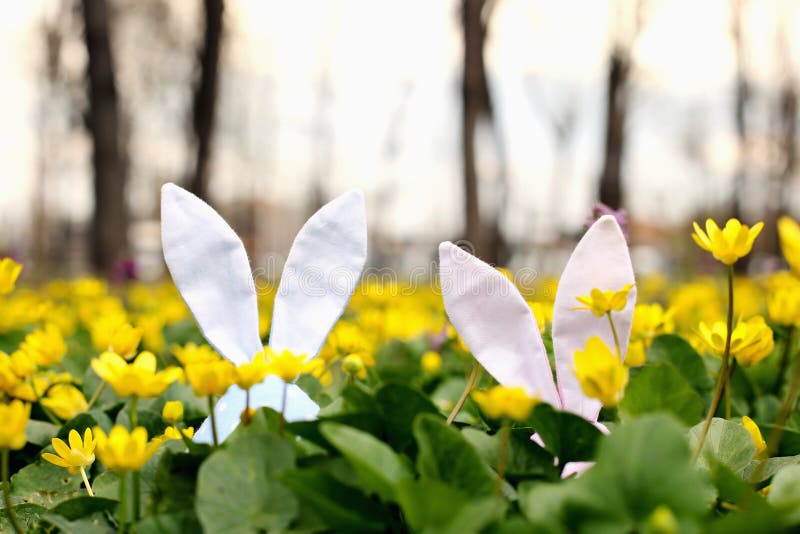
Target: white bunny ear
{"type": "Point", "coordinates": [209, 266]}
{"type": "Point", "coordinates": [228, 411]}
{"type": "Point", "coordinates": [495, 323]}
{"type": "Point", "coordinates": [600, 260]}
{"type": "Point", "coordinates": [321, 272]}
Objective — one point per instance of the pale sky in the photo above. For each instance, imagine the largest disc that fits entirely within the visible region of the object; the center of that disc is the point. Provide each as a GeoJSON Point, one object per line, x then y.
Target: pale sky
{"type": "Point", "coordinates": [387, 59]}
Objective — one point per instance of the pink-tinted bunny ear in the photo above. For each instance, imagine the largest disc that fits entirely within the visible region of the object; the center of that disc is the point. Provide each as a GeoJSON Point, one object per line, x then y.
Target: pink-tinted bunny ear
{"type": "Point", "coordinates": [321, 272]}
{"type": "Point", "coordinates": [495, 323]}
{"type": "Point", "coordinates": [209, 266]}
{"type": "Point", "coordinates": [601, 260]}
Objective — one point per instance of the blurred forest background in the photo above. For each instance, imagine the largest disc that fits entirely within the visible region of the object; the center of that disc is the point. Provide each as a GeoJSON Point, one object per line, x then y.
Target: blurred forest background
{"type": "Point", "coordinates": [497, 121]}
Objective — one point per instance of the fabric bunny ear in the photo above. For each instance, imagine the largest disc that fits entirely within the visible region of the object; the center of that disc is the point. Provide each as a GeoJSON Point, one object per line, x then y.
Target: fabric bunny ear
{"type": "Point", "coordinates": [321, 272]}
{"type": "Point", "coordinates": [209, 266]}
{"type": "Point", "coordinates": [299, 407]}
{"type": "Point", "coordinates": [600, 260]}
{"type": "Point", "coordinates": [495, 322]}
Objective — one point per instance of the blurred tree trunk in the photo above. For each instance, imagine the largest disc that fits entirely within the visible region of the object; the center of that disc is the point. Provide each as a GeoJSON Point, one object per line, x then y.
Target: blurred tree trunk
{"type": "Point", "coordinates": [486, 238]}
{"type": "Point", "coordinates": [616, 110]}
{"type": "Point", "coordinates": [110, 220]}
{"type": "Point", "coordinates": [741, 102]}
{"type": "Point", "coordinates": [205, 96]}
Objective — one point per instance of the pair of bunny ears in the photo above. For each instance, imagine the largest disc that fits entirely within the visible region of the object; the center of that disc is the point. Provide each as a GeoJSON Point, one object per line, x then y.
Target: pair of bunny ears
{"type": "Point", "coordinates": [500, 330]}
{"type": "Point", "coordinates": [209, 266]}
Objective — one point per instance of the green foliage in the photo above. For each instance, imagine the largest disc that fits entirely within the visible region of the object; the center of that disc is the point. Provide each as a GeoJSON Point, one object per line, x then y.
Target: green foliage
{"type": "Point", "coordinates": [239, 489]}
{"type": "Point", "coordinates": [659, 387]}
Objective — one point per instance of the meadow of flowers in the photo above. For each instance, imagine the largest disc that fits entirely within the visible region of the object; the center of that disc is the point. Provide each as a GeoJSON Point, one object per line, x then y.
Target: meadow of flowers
{"type": "Point", "coordinates": [593, 402]}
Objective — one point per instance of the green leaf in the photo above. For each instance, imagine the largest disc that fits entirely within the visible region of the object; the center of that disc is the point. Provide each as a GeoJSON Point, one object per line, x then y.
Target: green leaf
{"type": "Point", "coordinates": [446, 456]}
{"type": "Point", "coordinates": [238, 490]}
{"type": "Point", "coordinates": [93, 524]}
{"type": "Point", "coordinates": [83, 421]}
{"type": "Point", "coordinates": [422, 504]}
{"type": "Point", "coordinates": [78, 507]}
{"type": "Point", "coordinates": [675, 350]}
{"type": "Point", "coordinates": [168, 523]}
{"type": "Point", "coordinates": [727, 442]}
{"type": "Point", "coordinates": [28, 516]}
{"type": "Point", "coordinates": [659, 387]}
{"type": "Point", "coordinates": [399, 405]}
{"type": "Point", "coordinates": [644, 464]}
{"type": "Point", "coordinates": [376, 463]}
{"type": "Point", "coordinates": [525, 459]}
{"type": "Point", "coordinates": [45, 484]}
{"type": "Point", "coordinates": [770, 467]}
{"type": "Point", "coordinates": [567, 436]}
{"type": "Point", "coordinates": [342, 507]}
{"type": "Point", "coordinates": [174, 482]}
{"type": "Point", "coordinates": [369, 422]}
{"type": "Point", "coordinates": [784, 493]}
{"type": "Point", "coordinates": [543, 503]}
{"type": "Point", "coordinates": [40, 432]}
{"type": "Point", "coordinates": [314, 389]}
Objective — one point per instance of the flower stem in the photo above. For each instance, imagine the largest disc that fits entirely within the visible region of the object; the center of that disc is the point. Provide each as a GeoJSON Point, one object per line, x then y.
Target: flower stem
{"type": "Point", "coordinates": [134, 407]}
{"type": "Point", "coordinates": [722, 379]}
{"type": "Point", "coordinates": [731, 369]}
{"type": "Point", "coordinates": [123, 503]}
{"type": "Point", "coordinates": [137, 494]}
{"type": "Point", "coordinates": [784, 363]}
{"type": "Point", "coordinates": [502, 455]}
{"type": "Point", "coordinates": [12, 515]}
{"type": "Point", "coordinates": [86, 482]}
{"type": "Point", "coordinates": [96, 395]}
{"type": "Point", "coordinates": [213, 419]}
{"type": "Point", "coordinates": [788, 405]}
{"type": "Point", "coordinates": [282, 421]}
{"type": "Point", "coordinates": [614, 333]}
{"type": "Point", "coordinates": [474, 375]}
{"type": "Point", "coordinates": [49, 414]}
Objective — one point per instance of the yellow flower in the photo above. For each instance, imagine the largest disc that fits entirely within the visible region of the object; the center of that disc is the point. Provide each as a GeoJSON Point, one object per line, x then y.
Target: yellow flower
{"type": "Point", "coordinates": [113, 333]}
{"type": "Point", "coordinates": [502, 402]}
{"type": "Point", "coordinates": [649, 321]}
{"type": "Point", "coordinates": [65, 400]}
{"type": "Point", "coordinates": [636, 354]}
{"type": "Point", "coordinates": [8, 378]}
{"type": "Point", "coordinates": [783, 299]}
{"type": "Point", "coordinates": [755, 433]}
{"type": "Point", "coordinates": [729, 244]}
{"type": "Point", "coordinates": [9, 272]}
{"type": "Point", "coordinates": [172, 411]}
{"type": "Point", "coordinates": [431, 362]}
{"type": "Point", "coordinates": [211, 377]}
{"type": "Point", "coordinates": [751, 340]}
{"type": "Point", "coordinates": [174, 433]}
{"type": "Point", "coordinates": [192, 353]}
{"type": "Point", "coordinates": [789, 234]}
{"type": "Point", "coordinates": [352, 364]}
{"type": "Point", "coordinates": [600, 373]}
{"type": "Point", "coordinates": [121, 451]}
{"type": "Point", "coordinates": [45, 345]}
{"type": "Point", "coordinates": [251, 373]}
{"type": "Point", "coordinates": [138, 378]}
{"type": "Point", "coordinates": [602, 302]}
{"type": "Point", "coordinates": [286, 365]}
{"type": "Point", "coordinates": [78, 455]}
{"type": "Point", "coordinates": [22, 364]}
{"type": "Point", "coordinates": [152, 327]}
{"type": "Point", "coordinates": [13, 420]}
{"type": "Point", "coordinates": [543, 313]}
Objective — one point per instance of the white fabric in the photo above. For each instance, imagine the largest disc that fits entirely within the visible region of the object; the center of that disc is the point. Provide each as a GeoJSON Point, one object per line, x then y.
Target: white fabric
{"type": "Point", "coordinates": [321, 272]}
{"type": "Point", "coordinates": [600, 260]}
{"type": "Point", "coordinates": [209, 266]}
{"type": "Point", "coordinates": [495, 322]}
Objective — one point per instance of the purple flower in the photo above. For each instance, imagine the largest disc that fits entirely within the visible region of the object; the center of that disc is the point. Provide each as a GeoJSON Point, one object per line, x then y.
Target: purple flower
{"type": "Point", "coordinates": [601, 209]}
{"type": "Point", "coordinates": [124, 270]}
